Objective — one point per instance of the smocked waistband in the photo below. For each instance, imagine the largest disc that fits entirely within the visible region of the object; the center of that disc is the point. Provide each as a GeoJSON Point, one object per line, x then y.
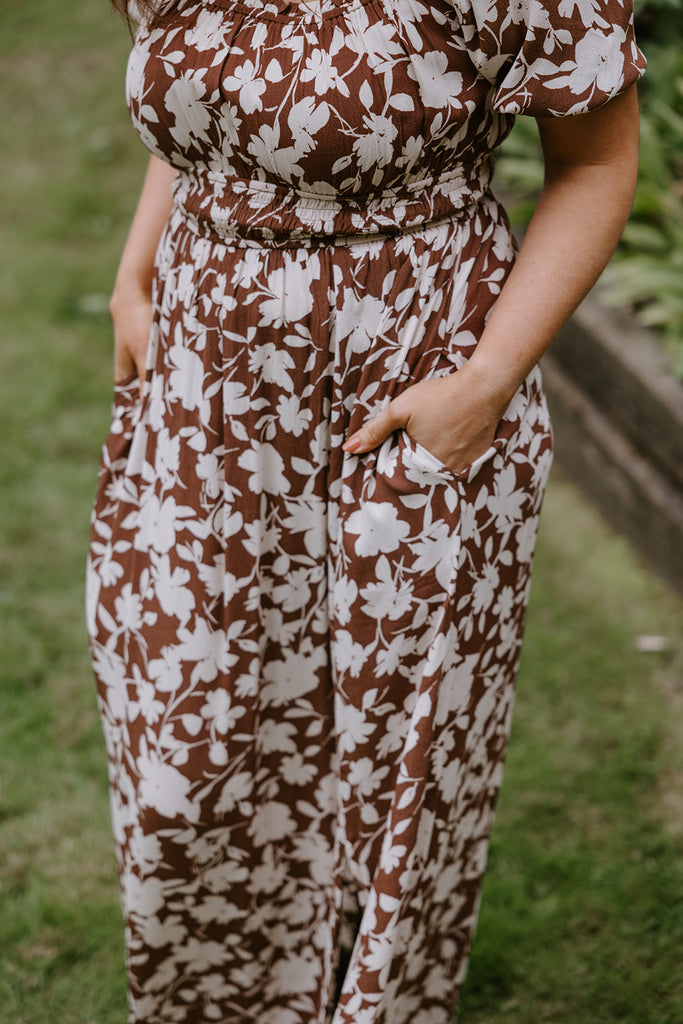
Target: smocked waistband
{"type": "Point", "coordinates": [247, 212]}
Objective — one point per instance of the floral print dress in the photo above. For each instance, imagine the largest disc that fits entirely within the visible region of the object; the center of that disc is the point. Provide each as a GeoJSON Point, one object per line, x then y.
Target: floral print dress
{"type": "Point", "coordinates": [305, 658]}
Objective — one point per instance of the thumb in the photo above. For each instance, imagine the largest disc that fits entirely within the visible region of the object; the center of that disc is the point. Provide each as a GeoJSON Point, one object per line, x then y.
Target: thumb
{"type": "Point", "coordinates": [372, 433]}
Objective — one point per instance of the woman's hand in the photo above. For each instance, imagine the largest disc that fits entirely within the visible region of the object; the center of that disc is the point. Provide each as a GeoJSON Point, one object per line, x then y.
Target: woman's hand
{"type": "Point", "coordinates": [132, 315]}
{"type": "Point", "coordinates": [455, 418]}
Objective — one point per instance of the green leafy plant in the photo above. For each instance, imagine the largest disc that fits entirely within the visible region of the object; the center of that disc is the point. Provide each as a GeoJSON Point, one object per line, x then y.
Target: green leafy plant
{"type": "Point", "coordinates": [659, 21]}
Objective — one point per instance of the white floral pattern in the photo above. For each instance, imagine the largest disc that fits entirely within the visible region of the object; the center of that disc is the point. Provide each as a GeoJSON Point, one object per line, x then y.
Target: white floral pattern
{"type": "Point", "coordinates": [305, 659]}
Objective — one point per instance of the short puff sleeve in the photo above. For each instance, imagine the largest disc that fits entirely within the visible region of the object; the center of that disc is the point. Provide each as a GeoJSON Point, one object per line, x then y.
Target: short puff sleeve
{"type": "Point", "coordinates": [551, 59]}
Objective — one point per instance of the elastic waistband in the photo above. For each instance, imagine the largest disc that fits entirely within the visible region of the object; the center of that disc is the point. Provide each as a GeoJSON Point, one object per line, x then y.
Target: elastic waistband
{"type": "Point", "coordinates": [248, 212]}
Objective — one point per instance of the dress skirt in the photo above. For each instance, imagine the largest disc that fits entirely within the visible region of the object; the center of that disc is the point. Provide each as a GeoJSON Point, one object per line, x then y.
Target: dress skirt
{"type": "Point", "coordinates": [305, 658]}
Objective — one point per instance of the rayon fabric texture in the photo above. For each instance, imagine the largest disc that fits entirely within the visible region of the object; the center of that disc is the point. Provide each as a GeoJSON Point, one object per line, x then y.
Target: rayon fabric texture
{"type": "Point", "coordinates": [305, 658]}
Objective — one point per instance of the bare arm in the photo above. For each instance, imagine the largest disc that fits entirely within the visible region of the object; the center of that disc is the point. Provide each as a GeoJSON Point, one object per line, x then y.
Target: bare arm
{"type": "Point", "coordinates": [590, 176]}
{"type": "Point", "coordinates": [591, 164]}
{"type": "Point", "coordinates": [131, 301]}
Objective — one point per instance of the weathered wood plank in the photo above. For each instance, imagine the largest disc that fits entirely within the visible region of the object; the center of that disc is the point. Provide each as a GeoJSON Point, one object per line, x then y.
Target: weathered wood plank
{"type": "Point", "coordinates": [632, 489]}
{"type": "Point", "coordinates": [626, 373]}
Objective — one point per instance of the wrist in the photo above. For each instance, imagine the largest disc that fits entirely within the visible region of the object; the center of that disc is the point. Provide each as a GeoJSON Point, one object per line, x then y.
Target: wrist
{"type": "Point", "coordinates": [492, 387]}
{"type": "Point", "coordinates": [129, 291]}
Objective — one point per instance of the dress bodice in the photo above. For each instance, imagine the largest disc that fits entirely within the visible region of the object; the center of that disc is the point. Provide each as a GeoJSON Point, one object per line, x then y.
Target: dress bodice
{"type": "Point", "coordinates": [377, 105]}
{"type": "Point", "coordinates": [338, 101]}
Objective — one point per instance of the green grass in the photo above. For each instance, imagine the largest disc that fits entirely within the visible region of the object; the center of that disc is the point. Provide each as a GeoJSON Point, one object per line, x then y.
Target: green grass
{"type": "Point", "coordinates": [582, 918]}
{"type": "Point", "coordinates": [71, 172]}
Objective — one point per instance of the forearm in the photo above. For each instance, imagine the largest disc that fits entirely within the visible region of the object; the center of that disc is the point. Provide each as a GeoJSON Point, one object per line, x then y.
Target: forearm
{"type": "Point", "coordinates": [577, 223]}
{"type": "Point", "coordinates": [136, 267]}
{"type": "Point", "coordinates": [591, 163]}
{"type": "Point", "coordinates": [131, 301]}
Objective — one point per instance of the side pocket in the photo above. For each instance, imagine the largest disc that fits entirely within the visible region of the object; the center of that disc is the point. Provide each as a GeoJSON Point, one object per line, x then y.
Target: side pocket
{"type": "Point", "coordinates": [125, 412]}
{"type": "Point", "coordinates": [429, 464]}
{"type": "Point", "coordinates": [507, 429]}
{"type": "Point", "coordinates": [126, 408]}
{"type": "Point", "coordinates": [498, 444]}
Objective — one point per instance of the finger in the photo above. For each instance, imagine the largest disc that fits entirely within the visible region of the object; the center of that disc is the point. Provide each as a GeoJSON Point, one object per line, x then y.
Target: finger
{"type": "Point", "coordinates": [372, 433]}
{"type": "Point", "coordinates": [124, 366]}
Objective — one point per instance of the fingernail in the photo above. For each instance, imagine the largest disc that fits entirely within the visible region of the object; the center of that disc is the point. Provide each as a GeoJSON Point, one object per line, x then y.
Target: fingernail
{"type": "Point", "coordinates": [353, 443]}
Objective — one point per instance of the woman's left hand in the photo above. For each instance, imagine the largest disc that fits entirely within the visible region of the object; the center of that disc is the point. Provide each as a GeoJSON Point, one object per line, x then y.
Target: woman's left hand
{"type": "Point", "coordinates": [455, 418]}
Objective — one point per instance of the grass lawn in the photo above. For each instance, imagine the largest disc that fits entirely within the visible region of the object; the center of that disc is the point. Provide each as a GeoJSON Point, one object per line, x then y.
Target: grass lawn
{"type": "Point", "coordinates": [582, 919]}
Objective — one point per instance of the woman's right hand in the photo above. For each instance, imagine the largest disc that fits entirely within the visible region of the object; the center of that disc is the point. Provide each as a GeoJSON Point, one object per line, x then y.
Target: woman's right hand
{"type": "Point", "coordinates": [132, 314]}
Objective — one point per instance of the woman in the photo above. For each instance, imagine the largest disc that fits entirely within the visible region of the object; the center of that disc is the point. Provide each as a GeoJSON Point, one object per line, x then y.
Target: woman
{"type": "Point", "coordinates": [319, 498]}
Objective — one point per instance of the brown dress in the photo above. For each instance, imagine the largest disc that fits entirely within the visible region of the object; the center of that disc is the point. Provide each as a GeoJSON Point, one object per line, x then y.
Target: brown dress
{"type": "Point", "coordinates": [305, 658]}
